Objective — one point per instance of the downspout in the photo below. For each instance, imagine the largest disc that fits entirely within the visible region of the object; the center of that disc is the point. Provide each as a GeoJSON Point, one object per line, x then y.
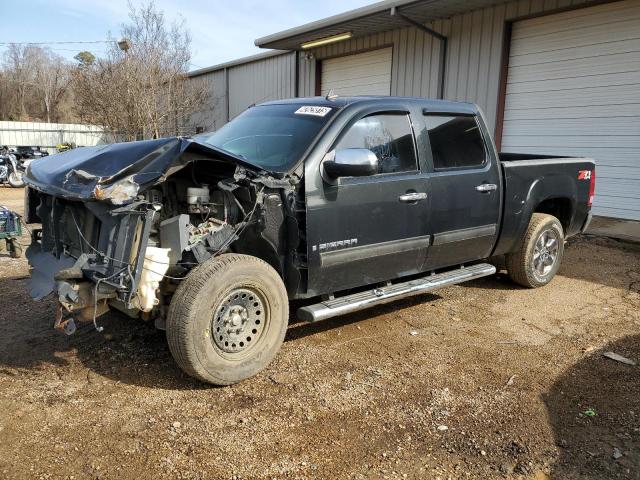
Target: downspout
{"type": "Point", "coordinates": [226, 87]}
{"type": "Point", "coordinates": [296, 87]}
{"type": "Point", "coordinates": [444, 43]}
{"type": "Point", "coordinates": [443, 46]}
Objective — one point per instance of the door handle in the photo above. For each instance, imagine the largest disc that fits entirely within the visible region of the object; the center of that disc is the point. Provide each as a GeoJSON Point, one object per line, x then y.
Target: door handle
{"type": "Point", "coordinates": [412, 197]}
{"type": "Point", "coordinates": [487, 187]}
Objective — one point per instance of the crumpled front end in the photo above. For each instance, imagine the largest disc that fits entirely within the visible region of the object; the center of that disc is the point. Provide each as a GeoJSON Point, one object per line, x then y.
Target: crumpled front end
{"type": "Point", "coordinates": [123, 224]}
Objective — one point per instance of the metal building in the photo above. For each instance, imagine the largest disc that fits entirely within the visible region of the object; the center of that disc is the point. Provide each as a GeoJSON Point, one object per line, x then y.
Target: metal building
{"type": "Point", "coordinates": [552, 76]}
{"type": "Point", "coordinates": [48, 135]}
{"type": "Point", "coordinates": [236, 85]}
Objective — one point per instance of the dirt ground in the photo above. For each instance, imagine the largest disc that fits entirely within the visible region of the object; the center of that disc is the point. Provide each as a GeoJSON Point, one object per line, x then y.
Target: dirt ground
{"type": "Point", "coordinates": [483, 380]}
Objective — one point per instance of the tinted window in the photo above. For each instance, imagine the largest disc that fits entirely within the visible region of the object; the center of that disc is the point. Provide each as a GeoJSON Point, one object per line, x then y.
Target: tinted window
{"type": "Point", "coordinates": [389, 136]}
{"type": "Point", "coordinates": [456, 142]}
{"type": "Point", "coordinates": [273, 137]}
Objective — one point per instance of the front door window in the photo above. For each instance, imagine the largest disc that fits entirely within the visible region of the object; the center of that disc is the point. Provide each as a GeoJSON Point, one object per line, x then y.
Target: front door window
{"type": "Point", "coordinates": [389, 136]}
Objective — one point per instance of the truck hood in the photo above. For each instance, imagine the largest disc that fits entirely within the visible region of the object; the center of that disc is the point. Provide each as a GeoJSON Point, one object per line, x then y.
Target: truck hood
{"type": "Point", "coordinates": [118, 171]}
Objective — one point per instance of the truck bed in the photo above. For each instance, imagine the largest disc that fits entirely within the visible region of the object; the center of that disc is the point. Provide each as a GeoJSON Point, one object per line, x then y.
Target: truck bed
{"type": "Point", "coordinates": [544, 183]}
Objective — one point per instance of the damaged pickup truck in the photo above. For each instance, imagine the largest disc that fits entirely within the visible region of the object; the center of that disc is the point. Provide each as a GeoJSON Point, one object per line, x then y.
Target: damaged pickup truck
{"type": "Point", "coordinates": [351, 201]}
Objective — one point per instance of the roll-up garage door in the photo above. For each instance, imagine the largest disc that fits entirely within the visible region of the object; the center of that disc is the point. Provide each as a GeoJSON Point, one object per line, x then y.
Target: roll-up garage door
{"type": "Point", "coordinates": [573, 88]}
{"type": "Point", "coordinates": [366, 73]}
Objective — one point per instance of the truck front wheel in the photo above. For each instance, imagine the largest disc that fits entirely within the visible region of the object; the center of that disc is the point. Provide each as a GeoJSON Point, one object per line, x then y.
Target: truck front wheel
{"type": "Point", "coordinates": [539, 254]}
{"type": "Point", "coordinates": [227, 319]}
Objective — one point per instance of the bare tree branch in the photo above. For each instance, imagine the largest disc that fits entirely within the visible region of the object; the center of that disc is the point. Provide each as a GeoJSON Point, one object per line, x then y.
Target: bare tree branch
{"type": "Point", "coordinates": [142, 92]}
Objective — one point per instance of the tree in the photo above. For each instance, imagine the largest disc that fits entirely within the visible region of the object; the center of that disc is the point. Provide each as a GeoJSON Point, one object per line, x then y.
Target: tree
{"type": "Point", "coordinates": [85, 58]}
{"type": "Point", "coordinates": [6, 96]}
{"type": "Point", "coordinates": [33, 83]}
{"type": "Point", "coordinates": [141, 91]}
{"type": "Point", "coordinates": [52, 77]}
{"type": "Point", "coordinates": [19, 63]}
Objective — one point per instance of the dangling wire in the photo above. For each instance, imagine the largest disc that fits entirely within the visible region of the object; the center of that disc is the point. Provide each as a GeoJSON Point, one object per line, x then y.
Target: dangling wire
{"type": "Point", "coordinates": [95, 295]}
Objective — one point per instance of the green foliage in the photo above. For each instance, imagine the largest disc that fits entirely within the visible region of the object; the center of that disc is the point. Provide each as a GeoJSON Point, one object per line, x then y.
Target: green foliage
{"type": "Point", "coordinates": [85, 58]}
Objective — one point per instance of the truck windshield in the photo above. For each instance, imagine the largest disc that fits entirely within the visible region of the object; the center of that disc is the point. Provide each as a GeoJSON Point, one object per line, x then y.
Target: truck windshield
{"type": "Point", "coordinates": [272, 137]}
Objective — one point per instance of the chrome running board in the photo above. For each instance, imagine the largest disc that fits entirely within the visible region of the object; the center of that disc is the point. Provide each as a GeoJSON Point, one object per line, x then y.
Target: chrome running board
{"type": "Point", "coordinates": [389, 293]}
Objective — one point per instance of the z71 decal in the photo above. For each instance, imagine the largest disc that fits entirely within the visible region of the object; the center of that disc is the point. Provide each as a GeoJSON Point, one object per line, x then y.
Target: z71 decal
{"type": "Point", "coordinates": [584, 175]}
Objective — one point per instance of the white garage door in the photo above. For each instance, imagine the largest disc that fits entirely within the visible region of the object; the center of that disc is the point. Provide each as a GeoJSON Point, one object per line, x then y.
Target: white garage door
{"type": "Point", "coordinates": [366, 73]}
{"type": "Point", "coordinates": [573, 88]}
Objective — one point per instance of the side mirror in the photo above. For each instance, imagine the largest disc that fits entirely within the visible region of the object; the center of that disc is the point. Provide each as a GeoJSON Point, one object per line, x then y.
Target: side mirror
{"type": "Point", "coordinates": [350, 162]}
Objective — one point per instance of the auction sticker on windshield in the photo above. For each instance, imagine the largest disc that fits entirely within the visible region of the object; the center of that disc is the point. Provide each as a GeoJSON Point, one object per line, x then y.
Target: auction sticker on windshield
{"type": "Point", "coordinates": [312, 110]}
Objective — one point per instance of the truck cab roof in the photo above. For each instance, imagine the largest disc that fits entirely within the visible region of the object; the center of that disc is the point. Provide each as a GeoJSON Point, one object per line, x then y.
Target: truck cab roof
{"type": "Point", "coordinates": [434, 105]}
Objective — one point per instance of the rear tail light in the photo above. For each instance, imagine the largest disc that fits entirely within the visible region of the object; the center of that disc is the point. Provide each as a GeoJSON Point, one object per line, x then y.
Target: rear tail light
{"type": "Point", "coordinates": [592, 187]}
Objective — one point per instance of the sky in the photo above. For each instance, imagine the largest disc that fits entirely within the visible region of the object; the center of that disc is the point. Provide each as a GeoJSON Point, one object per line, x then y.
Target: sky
{"type": "Point", "coordinates": [222, 30]}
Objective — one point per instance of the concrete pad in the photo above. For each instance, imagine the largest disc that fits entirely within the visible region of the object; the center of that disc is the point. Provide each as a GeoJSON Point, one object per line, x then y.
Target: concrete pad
{"type": "Point", "coordinates": [615, 228]}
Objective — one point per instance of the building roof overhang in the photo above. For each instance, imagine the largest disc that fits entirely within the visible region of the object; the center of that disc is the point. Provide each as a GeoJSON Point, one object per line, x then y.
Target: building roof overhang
{"type": "Point", "coordinates": [374, 18]}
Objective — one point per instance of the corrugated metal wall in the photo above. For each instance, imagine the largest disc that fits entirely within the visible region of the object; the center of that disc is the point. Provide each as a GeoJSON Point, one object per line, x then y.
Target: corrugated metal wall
{"type": "Point", "coordinates": [268, 79]}
{"type": "Point", "coordinates": [473, 62]}
{"type": "Point", "coordinates": [48, 135]}
{"type": "Point", "coordinates": [214, 113]}
{"type": "Point", "coordinates": [257, 81]}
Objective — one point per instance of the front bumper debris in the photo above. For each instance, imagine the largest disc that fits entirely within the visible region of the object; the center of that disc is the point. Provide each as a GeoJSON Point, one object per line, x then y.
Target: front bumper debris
{"type": "Point", "coordinates": [89, 267]}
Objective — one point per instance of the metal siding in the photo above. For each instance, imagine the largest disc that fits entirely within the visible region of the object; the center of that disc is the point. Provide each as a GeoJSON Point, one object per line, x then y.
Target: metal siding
{"type": "Point", "coordinates": [574, 89]}
{"type": "Point", "coordinates": [48, 135]}
{"type": "Point", "coordinates": [473, 57]}
{"type": "Point", "coordinates": [473, 60]}
{"type": "Point", "coordinates": [306, 75]}
{"type": "Point", "coordinates": [213, 114]}
{"type": "Point", "coordinates": [260, 81]}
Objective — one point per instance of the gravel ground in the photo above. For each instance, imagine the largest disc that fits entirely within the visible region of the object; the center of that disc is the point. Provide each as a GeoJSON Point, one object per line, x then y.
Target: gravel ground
{"type": "Point", "coordinates": [482, 380]}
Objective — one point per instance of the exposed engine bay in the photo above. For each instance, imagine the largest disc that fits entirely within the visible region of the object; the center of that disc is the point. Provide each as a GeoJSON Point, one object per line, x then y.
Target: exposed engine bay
{"type": "Point", "coordinates": [130, 245]}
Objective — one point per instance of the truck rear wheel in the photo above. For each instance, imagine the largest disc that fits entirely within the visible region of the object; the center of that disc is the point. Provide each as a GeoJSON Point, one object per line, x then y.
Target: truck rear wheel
{"type": "Point", "coordinates": [539, 255]}
{"type": "Point", "coordinates": [227, 319]}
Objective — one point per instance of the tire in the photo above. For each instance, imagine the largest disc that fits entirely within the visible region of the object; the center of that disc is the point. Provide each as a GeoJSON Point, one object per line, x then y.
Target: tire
{"type": "Point", "coordinates": [243, 301]}
{"type": "Point", "coordinates": [533, 264]}
{"type": "Point", "coordinates": [15, 179]}
{"type": "Point", "coordinates": [15, 248]}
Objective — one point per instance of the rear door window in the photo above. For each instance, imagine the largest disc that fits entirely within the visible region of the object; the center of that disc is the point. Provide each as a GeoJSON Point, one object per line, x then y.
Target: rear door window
{"type": "Point", "coordinates": [456, 142]}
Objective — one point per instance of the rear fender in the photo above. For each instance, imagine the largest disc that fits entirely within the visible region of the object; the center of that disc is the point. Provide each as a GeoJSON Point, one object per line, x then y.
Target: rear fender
{"type": "Point", "coordinates": [519, 209]}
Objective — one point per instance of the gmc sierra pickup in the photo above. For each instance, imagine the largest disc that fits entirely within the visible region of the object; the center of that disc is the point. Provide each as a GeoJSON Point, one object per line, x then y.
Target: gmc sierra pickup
{"type": "Point", "coordinates": [352, 202]}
